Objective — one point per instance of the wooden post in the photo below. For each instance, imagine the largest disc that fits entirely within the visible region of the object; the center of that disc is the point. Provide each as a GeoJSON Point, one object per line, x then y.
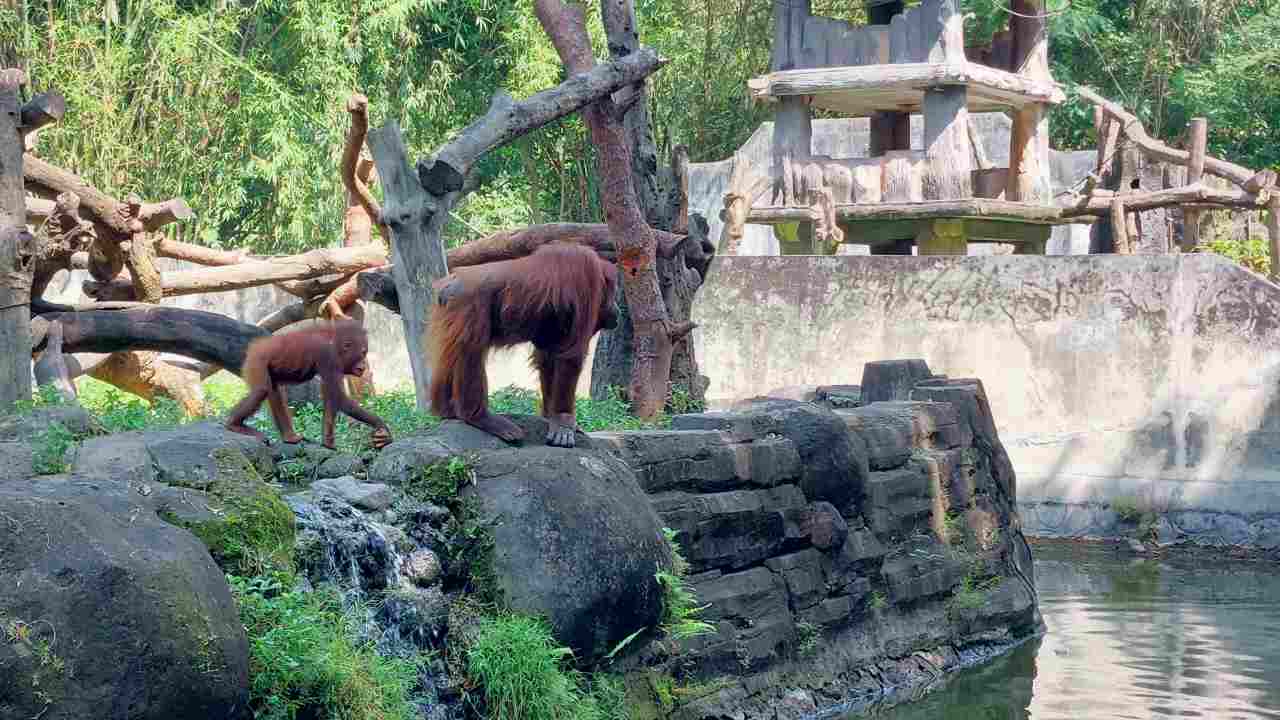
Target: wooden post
{"type": "Point", "coordinates": [1119, 227]}
{"type": "Point", "coordinates": [792, 144]}
{"type": "Point", "coordinates": [881, 12]}
{"type": "Point", "coordinates": [948, 154]}
{"type": "Point", "coordinates": [943, 31]}
{"type": "Point", "coordinates": [1029, 139]}
{"type": "Point", "coordinates": [1199, 131]}
{"type": "Point", "coordinates": [889, 131]}
{"type": "Point", "coordinates": [17, 251]}
{"type": "Point", "coordinates": [1273, 235]}
{"type": "Point", "coordinates": [942, 237]}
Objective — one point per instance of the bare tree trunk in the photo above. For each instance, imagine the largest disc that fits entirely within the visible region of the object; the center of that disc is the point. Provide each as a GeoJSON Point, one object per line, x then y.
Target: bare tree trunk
{"type": "Point", "coordinates": [17, 251]}
{"type": "Point", "coordinates": [418, 200]}
{"type": "Point", "coordinates": [654, 334]}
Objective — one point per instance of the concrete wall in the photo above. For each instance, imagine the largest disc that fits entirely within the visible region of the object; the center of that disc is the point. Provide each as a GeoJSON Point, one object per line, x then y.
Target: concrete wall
{"type": "Point", "coordinates": [1150, 378]}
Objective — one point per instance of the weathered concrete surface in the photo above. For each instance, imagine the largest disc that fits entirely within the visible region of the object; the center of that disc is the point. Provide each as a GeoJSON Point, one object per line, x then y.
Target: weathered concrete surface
{"type": "Point", "coordinates": [1148, 380]}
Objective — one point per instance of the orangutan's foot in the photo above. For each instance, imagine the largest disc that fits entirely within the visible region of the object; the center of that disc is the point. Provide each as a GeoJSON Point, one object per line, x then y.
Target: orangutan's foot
{"type": "Point", "coordinates": [498, 426]}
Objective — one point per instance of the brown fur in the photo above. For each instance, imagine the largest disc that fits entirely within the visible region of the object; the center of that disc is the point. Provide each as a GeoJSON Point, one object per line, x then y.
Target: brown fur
{"type": "Point", "coordinates": [557, 299]}
{"type": "Point", "coordinates": [330, 351]}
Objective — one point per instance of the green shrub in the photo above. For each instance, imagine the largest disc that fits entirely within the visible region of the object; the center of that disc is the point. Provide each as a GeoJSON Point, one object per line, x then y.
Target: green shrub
{"type": "Point", "coordinates": [49, 454]}
{"type": "Point", "coordinates": [680, 609]}
{"type": "Point", "coordinates": [523, 674]}
{"type": "Point", "coordinates": [306, 661]}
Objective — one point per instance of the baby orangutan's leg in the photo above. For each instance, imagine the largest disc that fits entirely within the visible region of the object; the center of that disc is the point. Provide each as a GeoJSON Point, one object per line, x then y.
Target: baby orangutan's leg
{"type": "Point", "coordinates": [246, 408]}
{"type": "Point", "coordinates": [280, 412]}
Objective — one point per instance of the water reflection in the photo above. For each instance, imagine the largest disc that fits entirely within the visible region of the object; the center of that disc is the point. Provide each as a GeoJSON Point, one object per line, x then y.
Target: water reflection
{"type": "Point", "coordinates": [1129, 638]}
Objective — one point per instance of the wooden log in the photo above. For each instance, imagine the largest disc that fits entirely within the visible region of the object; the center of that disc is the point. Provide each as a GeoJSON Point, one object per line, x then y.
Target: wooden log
{"type": "Point", "coordinates": [1198, 194]}
{"type": "Point", "coordinates": [904, 79]}
{"type": "Point", "coordinates": [1262, 180]}
{"type": "Point", "coordinates": [948, 155]}
{"type": "Point", "coordinates": [17, 251]}
{"type": "Point", "coordinates": [889, 131]}
{"type": "Point", "coordinates": [1119, 227]}
{"type": "Point", "coordinates": [1030, 39]}
{"type": "Point", "coordinates": [1028, 155]}
{"type": "Point", "coordinates": [901, 179]}
{"type": "Point", "coordinates": [196, 334]}
{"type": "Point", "coordinates": [1108, 142]}
{"type": "Point", "coordinates": [1273, 235]}
{"type": "Point", "coordinates": [342, 261]}
{"type": "Point", "coordinates": [1136, 133]}
{"type": "Point", "coordinates": [43, 109]}
{"type": "Point", "coordinates": [198, 254]}
{"type": "Point", "coordinates": [1199, 132]}
{"type": "Point", "coordinates": [51, 366]}
{"type": "Point", "coordinates": [62, 237]}
{"type": "Point", "coordinates": [867, 178]}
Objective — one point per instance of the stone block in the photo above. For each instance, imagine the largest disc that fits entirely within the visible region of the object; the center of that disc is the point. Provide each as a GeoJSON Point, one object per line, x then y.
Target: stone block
{"type": "Point", "coordinates": [892, 379]}
{"type": "Point", "coordinates": [803, 575]}
{"type": "Point", "coordinates": [899, 502]}
{"type": "Point", "coordinates": [732, 529]}
{"type": "Point", "coordinates": [742, 598]}
{"type": "Point", "coordinates": [366, 496]}
{"type": "Point", "coordinates": [921, 571]}
{"type": "Point", "coordinates": [833, 462]}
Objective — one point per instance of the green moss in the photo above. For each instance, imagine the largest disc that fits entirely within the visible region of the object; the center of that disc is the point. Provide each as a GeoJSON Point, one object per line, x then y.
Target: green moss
{"type": "Point", "coordinates": [254, 529]}
{"type": "Point", "coordinates": [48, 673]}
{"type": "Point", "coordinates": [806, 638]}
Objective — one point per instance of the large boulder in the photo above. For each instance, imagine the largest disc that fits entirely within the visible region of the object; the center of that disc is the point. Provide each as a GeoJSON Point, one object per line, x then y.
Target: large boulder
{"type": "Point", "coordinates": [109, 612]}
{"type": "Point", "coordinates": [575, 541]}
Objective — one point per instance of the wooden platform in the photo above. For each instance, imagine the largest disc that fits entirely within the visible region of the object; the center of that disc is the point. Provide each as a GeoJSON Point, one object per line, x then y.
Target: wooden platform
{"type": "Point", "coordinates": [975, 208]}
{"type": "Point", "coordinates": [937, 227]}
{"type": "Point", "coordinates": [859, 91]}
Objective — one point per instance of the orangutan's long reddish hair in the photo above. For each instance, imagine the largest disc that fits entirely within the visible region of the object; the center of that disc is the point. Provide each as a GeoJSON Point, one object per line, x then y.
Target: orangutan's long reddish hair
{"type": "Point", "coordinates": [556, 298]}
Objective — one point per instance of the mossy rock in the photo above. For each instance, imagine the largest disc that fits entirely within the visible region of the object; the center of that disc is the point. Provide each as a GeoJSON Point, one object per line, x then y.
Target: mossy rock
{"type": "Point", "coordinates": [252, 530]}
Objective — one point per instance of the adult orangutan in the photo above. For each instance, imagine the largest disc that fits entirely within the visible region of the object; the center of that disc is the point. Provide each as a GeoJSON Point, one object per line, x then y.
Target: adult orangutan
{"type": "Point", "coordinates": [330, 350]}
{"type": "Point", "coordinates": [556, 298]}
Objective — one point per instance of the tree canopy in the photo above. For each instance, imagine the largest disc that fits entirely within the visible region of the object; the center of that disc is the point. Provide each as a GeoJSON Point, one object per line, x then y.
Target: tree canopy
{"type": "Point", "coordinates": [238, 106]}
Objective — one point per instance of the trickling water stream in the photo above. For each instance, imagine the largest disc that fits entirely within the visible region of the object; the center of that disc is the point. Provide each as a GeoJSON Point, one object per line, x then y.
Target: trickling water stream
{"type": "Point", "coordinates": [1131, 638]}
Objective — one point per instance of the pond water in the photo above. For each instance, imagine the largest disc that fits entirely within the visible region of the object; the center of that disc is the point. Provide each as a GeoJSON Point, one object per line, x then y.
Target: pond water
{"type": "Point", "coordinates": [1130, 638]}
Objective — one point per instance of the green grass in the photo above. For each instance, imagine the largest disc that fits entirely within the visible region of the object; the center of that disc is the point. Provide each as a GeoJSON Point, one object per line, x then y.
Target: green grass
{"type": "Point", "coordinates": [680, 608]}
{"type": "Point", "coordinates": [119, 411]}
{"type": "Point", "coordinates": [306, 661]}
{"type": "Point", "coordinates": [523, 674]}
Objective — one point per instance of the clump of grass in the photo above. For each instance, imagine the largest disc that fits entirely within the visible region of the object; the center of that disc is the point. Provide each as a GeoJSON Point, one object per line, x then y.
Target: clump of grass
{"type": "Point", "coordinates": [806, 637]}
{"type": "Point", "coordinates": [878, 600]}
{"type": "Point", "coordinates": [49, 453]}
{"type": "Point", "coordinates": [440, 482]}
{"type": "Point", "coordinates": [972, 594]}
{"type": "Point", "coordinates": [524, 674]}
{"type": "Point", "coordinates": [680, 608]}
{"type": "Point", "coordinates": [306, 661]}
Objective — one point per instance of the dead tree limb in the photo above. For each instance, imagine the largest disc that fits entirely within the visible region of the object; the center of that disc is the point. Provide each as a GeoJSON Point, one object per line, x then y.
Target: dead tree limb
{"type": "Point", "coordinates": [418, 201]}
{"type": "Point", "coordinates": [1132, 128]}
{"type": "Point", "coordinates": [17, 251]}
{"type": "Point", "coordinates": [198, 254]}
{"type": "Point", "coordinates": [51, 367]}
{"type": "Point", "coordinates": [1099, 202]}
{"type": "Point", "coordinates": [341, 261]}
{"type": "Point", "coordinates": [60, 237]}
{"type": "Point", "coordinates": [356, 175]}
{"type": "Point", "coordinates": [205, 336]}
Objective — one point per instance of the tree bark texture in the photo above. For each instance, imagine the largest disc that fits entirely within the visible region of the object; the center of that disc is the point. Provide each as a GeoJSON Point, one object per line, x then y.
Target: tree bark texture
{"type": "Point", "coordinates": [17, 251]}
{"type": "Point", "coordinates": [204, 336]}
{"type": "Point", "coordinates": [418, 201]}
{"type": "Point", "coordinates": [637, 247]}
{"type": "Point", "coordinates": [339, 261]}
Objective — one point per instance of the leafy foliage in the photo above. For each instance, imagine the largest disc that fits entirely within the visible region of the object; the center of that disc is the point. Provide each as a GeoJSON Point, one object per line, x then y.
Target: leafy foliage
{"type": "Point", "coordinates": [524, 675]}
{"type": "Point", "coordinates": [680, 609]}
{"type": "Point", "coordinates": [305, 660]}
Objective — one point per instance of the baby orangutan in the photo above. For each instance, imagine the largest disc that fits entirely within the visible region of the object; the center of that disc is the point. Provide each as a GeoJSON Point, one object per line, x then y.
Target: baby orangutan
{"type": "Point", "coordinates": [331, 351]}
